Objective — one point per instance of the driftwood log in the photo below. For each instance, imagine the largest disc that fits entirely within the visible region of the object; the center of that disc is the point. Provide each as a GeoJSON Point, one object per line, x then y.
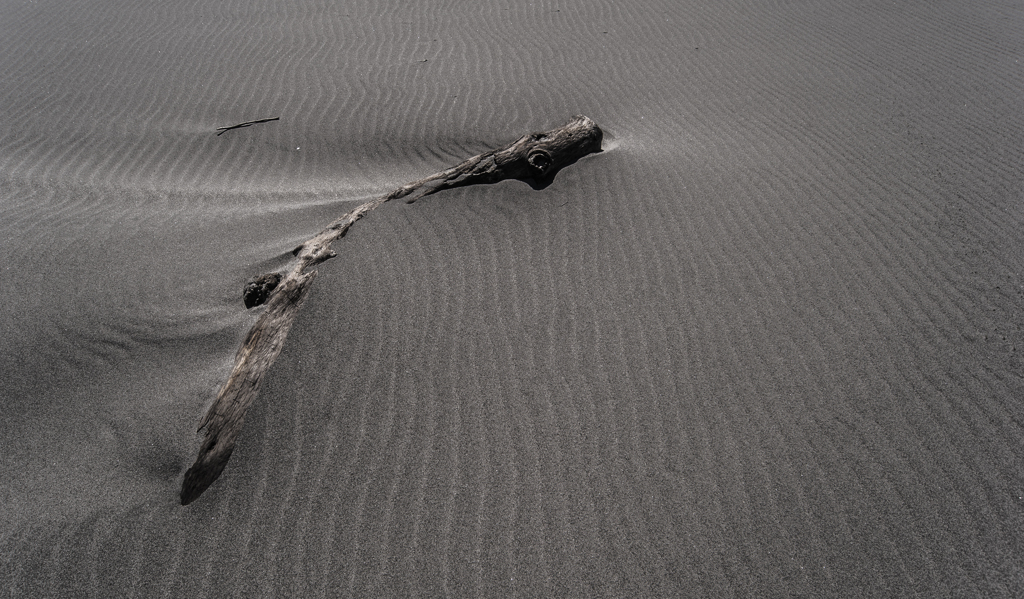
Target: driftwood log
{"type": "Point", "coordinates": [534, 158]}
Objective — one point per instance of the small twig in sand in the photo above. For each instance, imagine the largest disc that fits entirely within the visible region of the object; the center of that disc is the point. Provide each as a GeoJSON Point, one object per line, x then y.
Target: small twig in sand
{"type": "Point", "coordinates": [246, 124]}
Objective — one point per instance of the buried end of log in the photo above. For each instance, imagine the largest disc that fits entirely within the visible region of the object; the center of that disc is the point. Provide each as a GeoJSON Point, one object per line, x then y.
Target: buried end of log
{"type": "Point", "coordinates": [207, 468]}
{"type": "Point", "coordinates": [223, 422]}
{"type": "Point", "coordinates": [534, 158]}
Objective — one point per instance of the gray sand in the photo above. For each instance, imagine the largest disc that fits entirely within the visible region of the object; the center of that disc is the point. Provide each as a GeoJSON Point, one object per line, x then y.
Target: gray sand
{"type": "Point", "coordinates": [767, 344]}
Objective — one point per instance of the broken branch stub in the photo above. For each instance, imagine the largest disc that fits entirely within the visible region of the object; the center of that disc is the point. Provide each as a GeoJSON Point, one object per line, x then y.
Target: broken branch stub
{"type": "Point", "coordinates": [534, 158]}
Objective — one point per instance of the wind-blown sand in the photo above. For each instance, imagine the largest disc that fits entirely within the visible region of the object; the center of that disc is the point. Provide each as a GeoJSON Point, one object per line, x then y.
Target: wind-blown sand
{"type": "Point", "coordinates": [767, 343]}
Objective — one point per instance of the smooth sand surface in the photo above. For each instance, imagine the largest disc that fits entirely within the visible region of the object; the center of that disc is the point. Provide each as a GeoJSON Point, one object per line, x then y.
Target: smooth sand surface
{"type": "Point", "coordinates": [768, 343]}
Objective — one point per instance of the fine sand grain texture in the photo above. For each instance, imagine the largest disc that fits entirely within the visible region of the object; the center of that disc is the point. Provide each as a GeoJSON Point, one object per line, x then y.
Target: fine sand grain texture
{"type": "Point", "coordinates": [768, 343]}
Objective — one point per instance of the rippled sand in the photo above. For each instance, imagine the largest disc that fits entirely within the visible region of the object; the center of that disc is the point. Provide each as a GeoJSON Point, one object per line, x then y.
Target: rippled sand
{"type": "Point", "coordinates": [767, 343]}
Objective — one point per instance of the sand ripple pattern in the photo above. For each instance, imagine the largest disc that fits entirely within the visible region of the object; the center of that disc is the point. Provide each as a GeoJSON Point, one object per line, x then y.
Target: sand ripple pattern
{"type": "Point", "coordinates": [768, 344]}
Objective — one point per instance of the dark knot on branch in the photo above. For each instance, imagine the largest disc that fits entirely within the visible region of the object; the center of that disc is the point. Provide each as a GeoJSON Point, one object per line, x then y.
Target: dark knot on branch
{"type": "Point", "coordinates": [540, 160]}
{"type": "Point", "coordinates": [259, 288]}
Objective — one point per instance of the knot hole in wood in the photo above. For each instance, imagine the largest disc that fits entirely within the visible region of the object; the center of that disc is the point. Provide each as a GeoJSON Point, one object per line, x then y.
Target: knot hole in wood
{"type": "Point", "coordinates": [540, 160]}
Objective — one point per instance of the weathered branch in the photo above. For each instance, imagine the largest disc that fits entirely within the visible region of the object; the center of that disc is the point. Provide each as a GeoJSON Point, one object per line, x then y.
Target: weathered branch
{"type": "Point", "coordinates": [534, 158]}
